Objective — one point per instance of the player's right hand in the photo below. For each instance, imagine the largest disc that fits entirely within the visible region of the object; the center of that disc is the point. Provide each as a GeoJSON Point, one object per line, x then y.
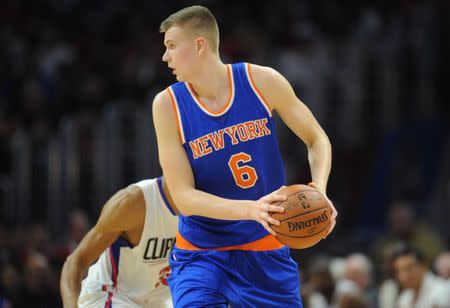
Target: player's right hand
{"type": "Point", "coordinates": [264, 206]}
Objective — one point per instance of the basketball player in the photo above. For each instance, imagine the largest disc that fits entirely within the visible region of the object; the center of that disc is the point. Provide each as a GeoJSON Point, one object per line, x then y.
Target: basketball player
{"type": "Point", "coordinates": [218, 149]}
{"type": "Point", "coordinates": [132, 241]}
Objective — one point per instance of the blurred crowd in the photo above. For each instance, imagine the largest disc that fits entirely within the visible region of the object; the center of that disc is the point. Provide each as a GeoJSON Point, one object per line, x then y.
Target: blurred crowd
{"type": "Point", "coordinates": [405, 280]}
{"type": "Point", "coordinates": [31, 263]}
{"type": "Point", "coordinates": [373, 72]}
{"type": "Point", "coordinates": [407, 266]}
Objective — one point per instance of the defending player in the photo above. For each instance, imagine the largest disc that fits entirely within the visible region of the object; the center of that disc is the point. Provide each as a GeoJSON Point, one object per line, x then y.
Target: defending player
{"type": "Point", "coordinates": [218, 149]}
{"type": "Point", "coordinates": [132, 241]}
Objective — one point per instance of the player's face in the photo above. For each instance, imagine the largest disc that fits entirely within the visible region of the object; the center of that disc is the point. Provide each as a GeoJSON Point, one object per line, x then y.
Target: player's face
{"type": "Point", "coordinates": [180, 54]}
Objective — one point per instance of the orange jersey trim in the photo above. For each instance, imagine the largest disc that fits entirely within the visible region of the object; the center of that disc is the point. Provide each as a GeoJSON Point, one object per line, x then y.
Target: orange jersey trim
{"type": "Point", "coordinates": [257, 91]}
{"type": "Point", "coordinates": [268, 242]}
{"type": "Point", "coordinates": [177, 115]}
{"type": "Point", "coordinates": [225, 108]}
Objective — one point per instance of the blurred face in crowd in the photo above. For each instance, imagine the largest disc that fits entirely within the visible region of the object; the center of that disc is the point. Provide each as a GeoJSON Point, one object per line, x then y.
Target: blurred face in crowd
{"type": "Point", "coordinates": [10, 279]}
{"type": "Point", "coordinates": [409, 272]}
{"type": "Point", "coordinates": [360, 277]}
{"type": "Point", "coordinates": [78, 226]}
{"type": "Point", "coordinates": [401, 220]}
{"type": "Point", "coordinates": [442, 265]}
{"type": "Point", "coordinates": [183, 52]}
{"type": "Point", "coordinates": [36, 272]}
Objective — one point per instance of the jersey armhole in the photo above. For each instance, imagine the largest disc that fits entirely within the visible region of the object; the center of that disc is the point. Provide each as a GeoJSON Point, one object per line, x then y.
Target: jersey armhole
{"type": "Point", "coordinates": [174, 102]}
{"type": "Point", "coordinates": [255, 89]}
{"type": "Point", "coordinates": [145, 186]}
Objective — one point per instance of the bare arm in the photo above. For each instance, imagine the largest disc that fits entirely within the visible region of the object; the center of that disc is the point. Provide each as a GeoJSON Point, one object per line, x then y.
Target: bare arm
{"type": "Point", "coordinates": [125, 211]}
{"type": "Point", "coordinates": [281, 97]}
{"type": "Point", "coordinates": [279, 94]}
{"type": "Point", "coordinates": [180, 180]}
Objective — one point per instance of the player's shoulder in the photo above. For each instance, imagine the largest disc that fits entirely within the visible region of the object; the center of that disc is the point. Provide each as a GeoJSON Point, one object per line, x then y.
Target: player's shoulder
{"type": "Point", "coordinates": [164, 95]}
{"type": "Point", "coordinates": [263, 73]}
{"type": "Point", "coordinates": [165, 99]}
{"type": "Point", "coordinates": [130, 199]}
{"type": "Point", "coordinates": [124, 210]}
{"type": "Point", "coordinates": [145, 185]}
{"type": "Point", "coordinates": [162, 104]}
{"type": "Point", "coordinates": [269, 82]}
{"type": "Point", "coordinates": [161, 98]}
{"type": "Point", "coordinates": [266, 79]}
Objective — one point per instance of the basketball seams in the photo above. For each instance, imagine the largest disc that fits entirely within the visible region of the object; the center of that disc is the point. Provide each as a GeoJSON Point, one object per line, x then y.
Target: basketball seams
{"type": "Point", "coordinates": [305, 213]}
{"type": "Point", "coordinates": [298, 192]}
{"type": "Point", "coordinates": [305, 236]}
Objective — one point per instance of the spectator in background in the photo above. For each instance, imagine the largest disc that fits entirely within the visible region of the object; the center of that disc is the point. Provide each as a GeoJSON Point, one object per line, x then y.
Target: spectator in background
{"type": "Point", "coordinates": [421, 289]}
{"type": "Point", "coordinates": [404, 227]}
{"type": "Point", "coordinates": [352, 301]}
{"type": "Point", "coordinates": [78, 226]}
{"type": "Point", "coordinates": [342, 286]}
{"type": "Point", "coordinates": [442, 265]}
{"type": "Point", "coordinates": [389, 288]}
{"type": "Point", "coordinates": [318, 289]}
{"type": "Point", "coordinates": [37, 290]}
{"type": "Point", "coordinates": [36, 240]}
{"type": "Point", "coordinates": [10, 284]}
{"type": "Point", "coordinates": [359, 269]}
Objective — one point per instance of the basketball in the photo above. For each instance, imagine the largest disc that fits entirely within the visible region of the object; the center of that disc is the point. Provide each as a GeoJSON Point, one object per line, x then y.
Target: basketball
{"type": "Point", "coordinates": [306, 218]}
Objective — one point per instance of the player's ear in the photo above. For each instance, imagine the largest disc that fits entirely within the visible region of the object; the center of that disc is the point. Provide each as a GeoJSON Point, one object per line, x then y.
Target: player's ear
{"type": "Point", "coordinates": [200, 43]}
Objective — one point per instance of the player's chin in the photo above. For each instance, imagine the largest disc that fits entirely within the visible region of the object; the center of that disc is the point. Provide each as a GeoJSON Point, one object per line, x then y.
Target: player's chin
{"type": "Point", "coordinates": [179, 77]}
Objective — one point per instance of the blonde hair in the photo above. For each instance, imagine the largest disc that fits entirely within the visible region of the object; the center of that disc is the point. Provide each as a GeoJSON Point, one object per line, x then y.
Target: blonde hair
{"type": "Point", "coordinates": [199, 20]}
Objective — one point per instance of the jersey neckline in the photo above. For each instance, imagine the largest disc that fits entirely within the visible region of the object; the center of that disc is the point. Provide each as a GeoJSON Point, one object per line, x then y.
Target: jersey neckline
{"type": "Point", "coordinates": [225, 108]}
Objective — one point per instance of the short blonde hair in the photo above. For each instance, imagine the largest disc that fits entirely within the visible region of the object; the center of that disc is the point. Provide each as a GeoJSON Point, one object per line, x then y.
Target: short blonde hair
{"type": "Point", "coordinates": [200, 21]}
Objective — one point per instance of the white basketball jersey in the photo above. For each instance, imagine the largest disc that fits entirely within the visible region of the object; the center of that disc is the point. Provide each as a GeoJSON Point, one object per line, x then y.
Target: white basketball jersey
{"type": "Point", "coordinates": [136, 275]}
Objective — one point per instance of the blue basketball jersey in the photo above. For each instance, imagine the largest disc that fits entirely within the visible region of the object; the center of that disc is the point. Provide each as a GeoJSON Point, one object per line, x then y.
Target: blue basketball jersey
{"type": "Point", "coordinates": [233, 153]}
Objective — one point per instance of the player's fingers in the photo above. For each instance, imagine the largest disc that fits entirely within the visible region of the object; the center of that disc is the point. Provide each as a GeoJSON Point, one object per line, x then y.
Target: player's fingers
{"type": "Point", "coordinates": [267, 227]}
{"type": "Point", "coordinates": [269, 219]}
{"type": "Point", "coordinates": [333, 224]}
{"type": "Point", "coordinates": [279, 189]}
{"type": "Point", "coordinates": [313, 185]}
{"type": "Point", "coordinates": [277, 197]}
{"type": "Point", "coordinates": [334, 214]}
{"type": "Point", "coordinates": [273, 208]}
{"type": "Point", "coordinates": [272, 198]}
{"type": "Point", "coordinates": [330, 229]}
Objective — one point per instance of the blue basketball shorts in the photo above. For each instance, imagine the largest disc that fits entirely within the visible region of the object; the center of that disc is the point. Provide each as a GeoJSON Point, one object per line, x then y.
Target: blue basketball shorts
{"type": "Point", "coordinates": [234, 278]}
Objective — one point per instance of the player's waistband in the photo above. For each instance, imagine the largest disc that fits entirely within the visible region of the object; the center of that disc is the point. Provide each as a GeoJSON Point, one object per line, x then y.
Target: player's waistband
{"type": "Point", "coordinates": [269, 242]}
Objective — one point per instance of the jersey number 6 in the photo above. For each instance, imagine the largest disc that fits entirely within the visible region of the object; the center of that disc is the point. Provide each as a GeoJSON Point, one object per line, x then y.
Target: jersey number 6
{"type": "Point", "coordinates": [244, 176]}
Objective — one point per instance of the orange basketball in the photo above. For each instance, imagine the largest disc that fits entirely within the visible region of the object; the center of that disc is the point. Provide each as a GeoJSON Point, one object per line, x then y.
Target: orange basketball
{"type": "Point", "coordinates": [306, 218]}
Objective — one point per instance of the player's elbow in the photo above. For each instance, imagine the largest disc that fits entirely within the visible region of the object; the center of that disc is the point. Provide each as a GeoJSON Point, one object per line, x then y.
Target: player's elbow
{"type": "Point", "coordinates": [183, 203]}
{"type": "Point", "coordinates": [319, 139]}
{"type": "Point", "coordinates": [183, 208]}
{"type": "Point", "coordinates": [75, 263]}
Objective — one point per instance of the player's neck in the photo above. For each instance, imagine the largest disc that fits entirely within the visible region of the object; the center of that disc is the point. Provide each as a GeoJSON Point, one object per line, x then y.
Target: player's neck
{"type": "Point", "coordinates": [212, 81]}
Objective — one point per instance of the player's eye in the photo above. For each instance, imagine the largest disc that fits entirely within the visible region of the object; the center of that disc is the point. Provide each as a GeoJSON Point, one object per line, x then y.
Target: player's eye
{"type": "Point", "coordinates": [171, 46]}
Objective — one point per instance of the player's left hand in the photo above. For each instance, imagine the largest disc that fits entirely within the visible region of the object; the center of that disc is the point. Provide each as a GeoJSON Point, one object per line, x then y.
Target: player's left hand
{"type": "Point", "coordinates": [334, 213]}
{"type": "Point", "coordinates": [266, 205]}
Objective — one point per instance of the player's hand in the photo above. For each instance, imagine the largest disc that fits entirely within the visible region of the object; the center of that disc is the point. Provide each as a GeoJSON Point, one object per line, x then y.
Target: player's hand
{"type": "Point", "coordinates": [264, 206]}
{"type": "Point", "coordinates": [334, 213]}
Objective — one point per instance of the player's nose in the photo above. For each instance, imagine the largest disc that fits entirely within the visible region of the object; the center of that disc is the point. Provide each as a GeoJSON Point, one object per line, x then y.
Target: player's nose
{"type": "Point", "coordinates": [165, 58]}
